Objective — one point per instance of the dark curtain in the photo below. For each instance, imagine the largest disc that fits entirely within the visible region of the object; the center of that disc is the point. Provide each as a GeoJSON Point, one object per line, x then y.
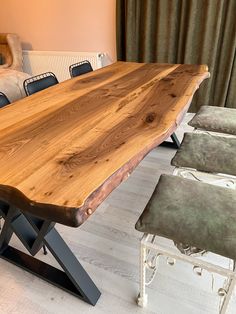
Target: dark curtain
{"type": "Point", "coordinates": [183, 31]}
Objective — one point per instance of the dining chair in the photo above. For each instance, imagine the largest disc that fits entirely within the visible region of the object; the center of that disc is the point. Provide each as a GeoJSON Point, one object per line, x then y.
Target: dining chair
{"type": "Point", "coordinates": [80, 68]}
{"type": "Point", "coordinates": [39, 82]}
{"type": "Point", "coordinates": [3, 100]}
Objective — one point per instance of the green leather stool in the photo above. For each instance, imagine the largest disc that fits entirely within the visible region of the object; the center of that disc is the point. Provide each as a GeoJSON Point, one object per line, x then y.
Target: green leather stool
{"type": "Point", "coordinates": [187, 211]}
{"type": "Point", "coordinates": [215, 119]}
{"type": "Point", "coordinates": [208, 153]}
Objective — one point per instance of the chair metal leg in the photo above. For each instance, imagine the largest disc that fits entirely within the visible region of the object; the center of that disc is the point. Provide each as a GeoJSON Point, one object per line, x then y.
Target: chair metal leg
{"type": "Point", "coordinates": [142, 297]}
{"type": "Point", "coordinates": [34, 233]}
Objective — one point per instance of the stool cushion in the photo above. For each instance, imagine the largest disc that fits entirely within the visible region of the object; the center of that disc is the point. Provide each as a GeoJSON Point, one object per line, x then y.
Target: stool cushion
{"type": "Point", "coordinates": [206, 152]}
{"type": "Point", "coordinates": [187, 211]}
{"type": "Point", "coordinates": [216, 119]}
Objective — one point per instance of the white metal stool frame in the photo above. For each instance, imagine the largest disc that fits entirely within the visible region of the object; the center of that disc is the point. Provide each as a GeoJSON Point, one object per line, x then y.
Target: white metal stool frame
{"type": "Point", "coordinates": [147, 244]}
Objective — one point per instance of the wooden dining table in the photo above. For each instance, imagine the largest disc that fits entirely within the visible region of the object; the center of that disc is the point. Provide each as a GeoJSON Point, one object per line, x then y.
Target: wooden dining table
{"type": "Point", "coordinates": [64, 149]}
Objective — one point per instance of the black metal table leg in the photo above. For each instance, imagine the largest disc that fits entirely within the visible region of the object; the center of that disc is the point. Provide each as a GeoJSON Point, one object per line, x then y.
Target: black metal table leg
{"type": "Point", "coordinates": [34, 233]}
{"type": "Point", "coordinates": [174, 144]}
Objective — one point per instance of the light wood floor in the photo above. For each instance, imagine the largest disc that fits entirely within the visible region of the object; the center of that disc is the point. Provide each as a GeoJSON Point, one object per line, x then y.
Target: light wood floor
{"type": "Point", "coordinates": [107, 246]}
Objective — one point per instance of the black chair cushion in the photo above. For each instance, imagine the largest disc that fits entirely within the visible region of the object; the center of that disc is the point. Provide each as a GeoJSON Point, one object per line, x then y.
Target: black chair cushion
{"type": "Point", "coordinates": [40, 82]}
{"type": "Point", "coordinates": [3, 100]}
{"type": "Point", "coordinates": [80, 68]}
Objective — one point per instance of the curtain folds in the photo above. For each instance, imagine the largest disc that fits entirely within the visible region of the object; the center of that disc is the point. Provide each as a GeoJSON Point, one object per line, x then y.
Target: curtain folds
{"type": "Point", "coordinates": [183, 31]}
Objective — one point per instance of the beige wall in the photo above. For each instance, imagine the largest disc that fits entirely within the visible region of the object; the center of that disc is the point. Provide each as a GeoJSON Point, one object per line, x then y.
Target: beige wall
{"type": "Point", "coordinates": [63, 25]}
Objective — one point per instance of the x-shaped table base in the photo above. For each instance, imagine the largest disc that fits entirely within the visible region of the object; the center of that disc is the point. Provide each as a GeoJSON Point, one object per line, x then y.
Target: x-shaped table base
{"type": "Point", "coordinates": [34, 233]}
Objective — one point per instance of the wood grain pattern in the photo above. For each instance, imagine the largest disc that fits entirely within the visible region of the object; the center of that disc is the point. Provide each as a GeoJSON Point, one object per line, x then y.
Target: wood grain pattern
{"type": "Point", "coordinates": [107, 245]}
{"type": "Point", "coordinates": [64, 149]}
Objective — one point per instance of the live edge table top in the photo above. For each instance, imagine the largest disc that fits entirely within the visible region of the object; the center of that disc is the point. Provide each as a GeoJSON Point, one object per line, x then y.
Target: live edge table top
{"type": "Point", "coordinates": [64, 149]}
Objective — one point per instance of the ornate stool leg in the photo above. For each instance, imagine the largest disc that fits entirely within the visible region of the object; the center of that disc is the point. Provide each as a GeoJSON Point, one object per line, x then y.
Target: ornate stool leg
{"type": "Point", "coordinates": [142, 297]}
{"type": "Point", "coordinates": [223, 309]}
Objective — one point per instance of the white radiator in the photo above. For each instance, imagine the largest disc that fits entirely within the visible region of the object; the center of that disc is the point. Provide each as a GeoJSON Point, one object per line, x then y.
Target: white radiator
{"type": "Point", "coordinates": [58, 62]}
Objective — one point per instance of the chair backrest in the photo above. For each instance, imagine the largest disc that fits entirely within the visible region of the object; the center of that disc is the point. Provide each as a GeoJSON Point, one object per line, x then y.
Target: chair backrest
{"type": "Point", "coordinates": [3, 100]}
{"type": "Point", "coordinates": [39, 82]}
{"type": "Point", "coordinates": [80, 68]}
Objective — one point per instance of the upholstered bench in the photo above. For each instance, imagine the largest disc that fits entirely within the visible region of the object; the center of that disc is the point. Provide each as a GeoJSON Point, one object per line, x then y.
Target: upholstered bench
{"type": "Point", "coordinates": [208, 153]}
{"type": "Point", "coordinates": [187, 211]}
{"type": "Point", "coordinates": [215, 119]}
